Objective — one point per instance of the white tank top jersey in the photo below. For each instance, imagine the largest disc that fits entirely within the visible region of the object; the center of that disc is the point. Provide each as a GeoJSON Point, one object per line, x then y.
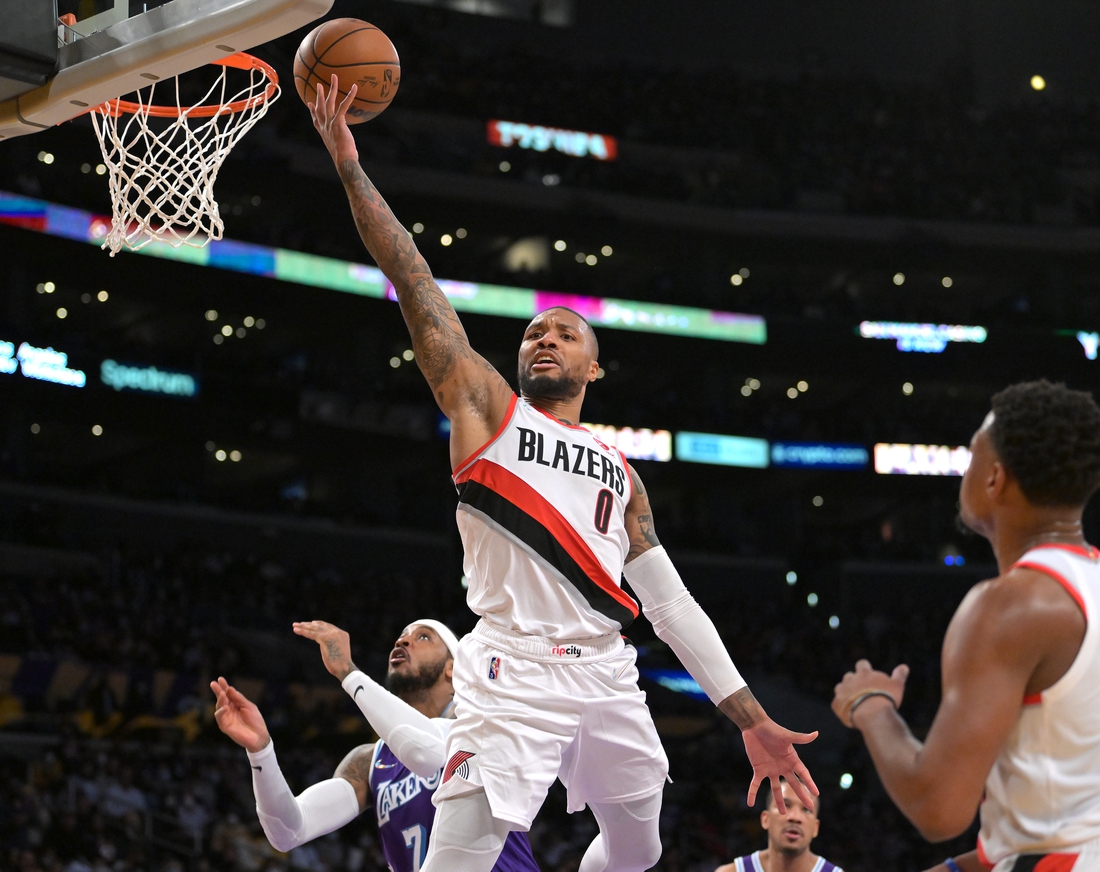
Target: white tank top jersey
{"type": "Point", "coordinates": [1043, 793]}
{"type": "Point", "coordinates": [541, 512]}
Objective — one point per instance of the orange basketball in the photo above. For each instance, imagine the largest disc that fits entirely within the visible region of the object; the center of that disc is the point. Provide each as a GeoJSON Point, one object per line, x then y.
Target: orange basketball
{"type": "Point", "coordinates": [360, 54]}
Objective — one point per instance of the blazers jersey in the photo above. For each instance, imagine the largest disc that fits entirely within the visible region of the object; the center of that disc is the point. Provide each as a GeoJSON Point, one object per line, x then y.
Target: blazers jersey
{"type": "Point", "coordinates": [541, 513]}
{"type": "Point", "coordinates": [1043, 792]}
{"type": "Point", "coordinates": [403, 807]}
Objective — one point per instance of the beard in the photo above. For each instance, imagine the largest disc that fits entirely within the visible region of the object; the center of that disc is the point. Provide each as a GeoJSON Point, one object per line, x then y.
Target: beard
{"type": "Point", "coordinates": [424, 678]}
{"type": "Point", "coordinates": [548, 387]}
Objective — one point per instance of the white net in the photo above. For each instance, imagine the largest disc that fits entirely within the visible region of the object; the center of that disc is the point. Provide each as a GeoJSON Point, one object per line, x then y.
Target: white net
{"type": "Point", "coordinates": [162, 161]}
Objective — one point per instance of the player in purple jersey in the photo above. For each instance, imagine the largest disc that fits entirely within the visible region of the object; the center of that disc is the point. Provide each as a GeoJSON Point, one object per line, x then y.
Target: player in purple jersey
{"type": "Point", "coordinates": [397, 776]}
{"type": "Point", "coordinates": [789, 837]}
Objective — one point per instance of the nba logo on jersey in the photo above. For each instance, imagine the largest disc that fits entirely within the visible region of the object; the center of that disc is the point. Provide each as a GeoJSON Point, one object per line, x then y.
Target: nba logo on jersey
{"type": "Point", "coordinates": [494, 668]}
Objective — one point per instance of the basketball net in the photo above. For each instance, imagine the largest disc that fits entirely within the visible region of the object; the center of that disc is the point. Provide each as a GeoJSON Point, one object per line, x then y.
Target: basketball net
{"type": "Point", "coordinates": [162, 161]}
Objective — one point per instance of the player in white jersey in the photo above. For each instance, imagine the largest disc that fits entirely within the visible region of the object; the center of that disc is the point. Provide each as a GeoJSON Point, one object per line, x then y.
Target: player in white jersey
{"type": "Point", "coordinates": [551, 520]}
{"type": "Point", "coordinates": [1019, 721]}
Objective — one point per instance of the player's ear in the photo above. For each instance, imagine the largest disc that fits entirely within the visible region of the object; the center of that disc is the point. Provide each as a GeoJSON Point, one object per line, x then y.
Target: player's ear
{"type": "Point", "coordinates": [764, 819]}
{"type": "Point", "coordinates": [449, 670]}
{"type": "Point", "coordinates": [593, 370]}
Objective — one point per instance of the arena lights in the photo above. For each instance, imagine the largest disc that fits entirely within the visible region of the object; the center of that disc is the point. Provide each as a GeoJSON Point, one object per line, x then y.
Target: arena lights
{"type": "Point", "coordinates": [1090, 342]}
{"type": "Point", "coordinates": [677, 680]}
{"type": "Point", "coordinates": [147, 379]}
{"type": "Point", "coordinates": [575, 143]}
{"type": "Point", "coordinates": [722, 450]}
{"type": "Point", "coordinates": [929, 338]}
{"type": "Point", "coordinates": [43, 364]}
{"type": "Point", "coordinates": [906, 459]}
{"type": "Point", "coordinates": [368, 281]}
{"type": "Point", "coordinates": [819, 455]}
{"type": "Point", "coordinates": [636, 444]}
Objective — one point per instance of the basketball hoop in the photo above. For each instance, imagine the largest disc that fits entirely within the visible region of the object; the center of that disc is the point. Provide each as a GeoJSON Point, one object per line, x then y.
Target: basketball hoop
{"type": "Point", "coordinates": [162, 173]}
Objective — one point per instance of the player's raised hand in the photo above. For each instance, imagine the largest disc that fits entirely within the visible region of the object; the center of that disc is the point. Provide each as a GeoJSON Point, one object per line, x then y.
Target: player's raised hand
{"type": "Point", "coordinates": [863, 684]}
{"type": "Point", "coordinates": [335, 645]}
{"type": "Point", "coordinates": [771, 752]}
{"type": "Point", "coordinates": [238, 717]}
{"type": "Point", "coordinates": [329, 117]}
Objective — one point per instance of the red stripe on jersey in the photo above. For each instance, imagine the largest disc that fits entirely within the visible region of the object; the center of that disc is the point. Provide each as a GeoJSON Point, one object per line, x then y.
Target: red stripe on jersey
{"type": "Point", "coordinates": [1056, 863]}
{"type": "Point", "coordinates": [1058, 577]}
{"type": "Point", "coordinates": [1080, 550]}
{"type": "Point", "coordinates": [507, 420]}
{"type": "Point", "coordinates": [1033, 698]}
{"type": "Point", "coordinates": [524, 497]}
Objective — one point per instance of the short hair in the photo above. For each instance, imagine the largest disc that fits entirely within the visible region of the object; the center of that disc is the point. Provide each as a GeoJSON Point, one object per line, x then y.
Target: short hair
{"type": "Point", "coordinates": [769, 796]}
{"type": "Point", "coordinates": [587, 323]}
{"type": "Point", "coordinates": [1048, 438]}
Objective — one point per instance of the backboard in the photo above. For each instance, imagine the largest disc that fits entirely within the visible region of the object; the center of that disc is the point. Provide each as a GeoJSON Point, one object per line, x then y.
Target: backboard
{"type": "Point", "coordinates": [113, 53]}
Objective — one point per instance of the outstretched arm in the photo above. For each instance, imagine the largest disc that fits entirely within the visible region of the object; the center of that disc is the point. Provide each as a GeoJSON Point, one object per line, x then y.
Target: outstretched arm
{"type": "Point", "coordinates": [681, 623]}
{"type": "Point", "coordinates": [287, 820]}
{"type": "Point", "coordinates": [465, 385]}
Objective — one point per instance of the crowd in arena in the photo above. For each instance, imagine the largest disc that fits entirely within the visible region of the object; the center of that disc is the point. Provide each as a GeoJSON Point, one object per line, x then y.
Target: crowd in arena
{"type": "Point", "coordinates": [119, 777]}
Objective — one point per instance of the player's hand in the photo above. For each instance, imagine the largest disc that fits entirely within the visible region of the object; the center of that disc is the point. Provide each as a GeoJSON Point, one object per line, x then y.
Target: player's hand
{"type": "Point", "coordinates": [238, 717]}
{"type": "Point", "coordinates": [335, 645]}
{"type": "Point", "coordinates": [771, 752]}
{"type": "Point", "coordinates": [865, 679]}
{"type": "Point", "coordinates": [330, 119]}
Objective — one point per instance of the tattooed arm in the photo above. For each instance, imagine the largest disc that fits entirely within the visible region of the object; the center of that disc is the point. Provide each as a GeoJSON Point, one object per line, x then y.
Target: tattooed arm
{"type": "Point", "coordinates": [684, 627]}
{"type": "Point", "coordinates": [355, 769]}
{"type": "Point", "coordinates": [467, 388]}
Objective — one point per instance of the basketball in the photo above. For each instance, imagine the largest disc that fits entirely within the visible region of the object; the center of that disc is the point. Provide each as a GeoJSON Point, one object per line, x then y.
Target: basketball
{"type": "Point", "coordinates": [359, 54]}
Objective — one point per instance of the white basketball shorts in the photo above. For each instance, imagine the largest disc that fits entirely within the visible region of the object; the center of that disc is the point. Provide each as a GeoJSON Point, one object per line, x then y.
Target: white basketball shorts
{"type": "Point", "coordinates": [530, 710]}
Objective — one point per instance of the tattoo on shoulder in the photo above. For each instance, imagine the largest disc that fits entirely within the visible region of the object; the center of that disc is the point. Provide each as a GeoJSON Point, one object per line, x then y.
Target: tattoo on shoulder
{"type": "Point", "coordinates": [642, 535]}
{"type": "Point", "coordinates": [356, 766]}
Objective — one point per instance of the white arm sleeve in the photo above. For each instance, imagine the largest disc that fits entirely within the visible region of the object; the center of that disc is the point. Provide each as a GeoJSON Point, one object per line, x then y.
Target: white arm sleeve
{"type": "Point", "coordinates": [679, 621]}
{"type": "Point", "coordinates": [419, 742]}
{"type": "Point", "coordinates": [289, 820]}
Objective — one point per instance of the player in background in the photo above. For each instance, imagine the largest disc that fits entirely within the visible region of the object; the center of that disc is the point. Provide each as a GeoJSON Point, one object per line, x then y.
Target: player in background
{"type": "Point", "coordinates": [396, 775]}
{"type": "Point", "coordinates": [789, 837]}
{"type": "Point", "coordinates": [551, 519]}
{"type": "Point", "coordinates": [1020, 715]}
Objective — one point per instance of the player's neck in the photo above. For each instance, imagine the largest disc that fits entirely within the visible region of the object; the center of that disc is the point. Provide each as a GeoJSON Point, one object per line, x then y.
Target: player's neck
{"type": "Point", "coordinates": [432, 702]}
{"type": "Point", "coordinates": [780, 861]}
{"type": "Point", "coordinates": [566, 411]}
{"type": "Point", "coordinates": [1055, 525]}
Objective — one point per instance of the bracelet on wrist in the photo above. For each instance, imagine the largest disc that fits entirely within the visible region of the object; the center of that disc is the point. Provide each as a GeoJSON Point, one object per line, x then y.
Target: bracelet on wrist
{"type": "Point", "coordinates": [862, 697]}
{"type": "Point", "coordinates": [951, 865]}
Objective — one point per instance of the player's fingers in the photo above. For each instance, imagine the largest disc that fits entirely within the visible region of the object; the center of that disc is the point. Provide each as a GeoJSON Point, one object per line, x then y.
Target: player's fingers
{"type": "Point", "coordinates": [803, 738]}
{"type": "Point", "coordinates": [900, 673]}
{"type": "Point", "coordinates": [333, 91]}
{"type": "Point", "coordinates": [320, 101]}
{"type": "Point", "coordinates": [345, 104]}
{"type": "Point", "coordinates": [803, 779]}
{"type": "Point", "coordinates": [777, 793]}
{"type": "Point", "coordinates": [863, 666]}
{"type": "Point", "coordinates": [238, 698]}
{"type": "Point", "coordinates": [754, 786]}
{"type": "Point", "coordinates": [805, 796]}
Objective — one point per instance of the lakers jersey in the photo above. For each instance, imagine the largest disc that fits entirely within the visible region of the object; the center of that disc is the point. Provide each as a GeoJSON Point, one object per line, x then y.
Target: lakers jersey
{"type": "Point", "coordinates": [1043, 792]}
{"type": "Point", "coordinates": [541, 512]}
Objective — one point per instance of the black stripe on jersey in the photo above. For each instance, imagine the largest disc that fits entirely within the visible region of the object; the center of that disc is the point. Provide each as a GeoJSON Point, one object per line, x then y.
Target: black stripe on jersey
{"type": "Point", "coordinates": [542, 542]}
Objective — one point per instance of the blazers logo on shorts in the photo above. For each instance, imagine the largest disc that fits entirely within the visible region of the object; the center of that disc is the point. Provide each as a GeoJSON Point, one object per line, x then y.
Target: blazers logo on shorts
{"type": "Point", "coordinates": [566, 651]}
{"type": "Point", "coordinates": [494, 668]}
{"type": "Point", "coordinates": [458, 765]}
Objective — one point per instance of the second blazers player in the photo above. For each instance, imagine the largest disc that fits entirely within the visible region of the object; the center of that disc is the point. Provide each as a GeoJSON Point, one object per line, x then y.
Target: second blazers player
{"type": "Point", "coordinates": [551, 519]}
